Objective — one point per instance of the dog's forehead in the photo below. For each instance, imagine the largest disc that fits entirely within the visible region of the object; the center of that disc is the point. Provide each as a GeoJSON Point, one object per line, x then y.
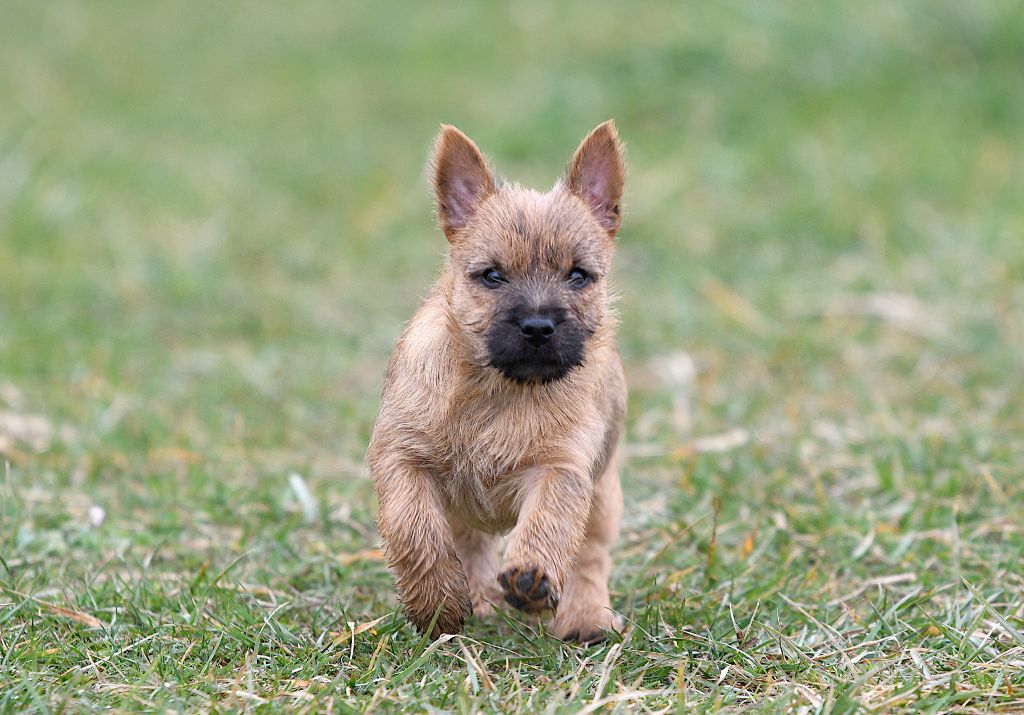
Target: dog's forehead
{"type": "Point", "coordinates": [522, 229]}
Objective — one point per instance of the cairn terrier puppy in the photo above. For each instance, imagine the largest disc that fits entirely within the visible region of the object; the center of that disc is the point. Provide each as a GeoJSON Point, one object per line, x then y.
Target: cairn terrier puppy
{"type": "Point", "coordinates": [504, 401]}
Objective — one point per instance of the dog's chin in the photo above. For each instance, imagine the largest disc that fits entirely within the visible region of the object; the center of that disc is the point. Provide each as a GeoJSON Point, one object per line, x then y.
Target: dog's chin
{"type": "Point", "coordinates": [534, 371]}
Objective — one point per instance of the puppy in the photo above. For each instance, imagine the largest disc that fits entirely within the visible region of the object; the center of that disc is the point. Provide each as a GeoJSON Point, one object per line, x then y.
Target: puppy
{"type": "Point", "coordinates": [504, 401]}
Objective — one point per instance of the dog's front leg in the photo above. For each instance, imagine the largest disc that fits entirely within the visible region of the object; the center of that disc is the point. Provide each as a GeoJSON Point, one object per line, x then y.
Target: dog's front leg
{"type": "Point", "coordinates": [420, 550]}
{"type": "Point", "coordinates": [547, 537]}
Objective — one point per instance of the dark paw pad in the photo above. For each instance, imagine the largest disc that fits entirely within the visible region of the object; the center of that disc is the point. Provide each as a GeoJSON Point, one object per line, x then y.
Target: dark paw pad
{"type": "Point", "coordinates": [528, 589]}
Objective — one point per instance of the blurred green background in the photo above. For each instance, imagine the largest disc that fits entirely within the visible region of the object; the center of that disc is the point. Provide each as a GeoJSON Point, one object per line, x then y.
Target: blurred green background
{"type": "Point", "coordinates": [214, 221]}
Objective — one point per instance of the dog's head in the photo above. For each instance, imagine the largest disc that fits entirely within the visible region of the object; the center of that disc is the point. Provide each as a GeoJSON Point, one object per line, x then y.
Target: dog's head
{"type": "Point", "coordinates": [529, 270]}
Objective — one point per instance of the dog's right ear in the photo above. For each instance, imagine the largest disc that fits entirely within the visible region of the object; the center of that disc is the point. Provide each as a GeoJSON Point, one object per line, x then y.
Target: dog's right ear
{"type": "Point", "coordinates": [461, 179]}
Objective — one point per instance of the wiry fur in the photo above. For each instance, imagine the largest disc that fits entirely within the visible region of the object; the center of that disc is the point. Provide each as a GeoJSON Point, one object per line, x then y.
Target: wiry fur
{"type": "Point", "coordinates": [463, 449]}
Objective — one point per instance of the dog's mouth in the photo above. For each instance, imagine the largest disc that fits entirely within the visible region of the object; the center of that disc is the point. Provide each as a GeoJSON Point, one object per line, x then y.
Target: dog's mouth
{"type": "Point", "coordinates": [535, 369]}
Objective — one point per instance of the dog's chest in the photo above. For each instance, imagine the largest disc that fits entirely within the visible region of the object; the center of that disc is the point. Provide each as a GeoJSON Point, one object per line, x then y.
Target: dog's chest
{"type": "Point", "coordinates": [490, 444]}
{"type": "Point", "coordinates": [492, 439]}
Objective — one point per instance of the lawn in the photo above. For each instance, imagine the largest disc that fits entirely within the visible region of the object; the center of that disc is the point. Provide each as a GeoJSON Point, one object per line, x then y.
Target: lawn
{"type": "Point", "coordinates": [214, 221]}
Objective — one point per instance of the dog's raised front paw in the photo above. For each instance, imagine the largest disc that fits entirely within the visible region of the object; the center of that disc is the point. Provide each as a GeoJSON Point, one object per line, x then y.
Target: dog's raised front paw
{"type": "Point", "coordinates": [528, 588]}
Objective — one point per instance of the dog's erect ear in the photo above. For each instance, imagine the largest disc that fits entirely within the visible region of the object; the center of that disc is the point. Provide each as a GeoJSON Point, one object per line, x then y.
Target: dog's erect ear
{"type": "Point", "coordinates": [461, 179]}
{"type": "Point", "coordinates": [596, 174]}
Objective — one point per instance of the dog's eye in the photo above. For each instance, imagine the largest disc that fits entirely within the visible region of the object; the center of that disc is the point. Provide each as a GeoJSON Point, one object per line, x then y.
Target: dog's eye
{"type": "Point", "coordinates": [492, 278]}
{"type": "Point", "coordinates": [577, 278]}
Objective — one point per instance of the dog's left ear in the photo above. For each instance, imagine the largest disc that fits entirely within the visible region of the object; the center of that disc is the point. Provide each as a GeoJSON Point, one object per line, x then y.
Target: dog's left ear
{"type": "Point", "coordinates": [596, 174]}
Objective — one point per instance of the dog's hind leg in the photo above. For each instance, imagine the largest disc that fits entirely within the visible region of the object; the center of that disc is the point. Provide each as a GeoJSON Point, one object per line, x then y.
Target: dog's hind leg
{"type": "Point", "coordinates": [585, 613]}
{"type": "Point", "coordinates": [478, 552]}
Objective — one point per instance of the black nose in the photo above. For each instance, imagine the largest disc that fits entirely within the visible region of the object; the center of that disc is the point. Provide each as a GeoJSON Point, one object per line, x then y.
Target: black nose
{"type": "Point", "coordinates": [537, 329]}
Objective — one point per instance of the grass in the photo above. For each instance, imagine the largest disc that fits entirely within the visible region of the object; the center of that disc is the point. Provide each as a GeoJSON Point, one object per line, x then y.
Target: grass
{"type": "Point", "coordinates": [213, 223]}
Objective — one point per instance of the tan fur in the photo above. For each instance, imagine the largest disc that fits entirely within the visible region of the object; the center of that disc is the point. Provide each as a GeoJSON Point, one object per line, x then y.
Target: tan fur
{"type": "Point", "coordinates": [461, 454]}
